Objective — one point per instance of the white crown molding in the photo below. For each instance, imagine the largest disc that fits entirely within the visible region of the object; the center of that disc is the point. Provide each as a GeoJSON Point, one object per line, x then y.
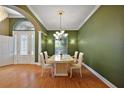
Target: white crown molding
{"type": "Point", "coordinates": [16, 17]}
{"type": "Point", "coordinates": [108, 83]}
{"type": "Point", "coordinates": [63, 29]}
{"type": "Point", "coordinates": [30, 8]}
{"type": "Point", "coordinates": [93, 11]}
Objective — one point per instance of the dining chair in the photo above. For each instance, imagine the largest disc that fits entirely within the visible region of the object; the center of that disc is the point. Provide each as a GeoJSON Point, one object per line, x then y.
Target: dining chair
{"type": "Point", "coordinates": [75, 56]}
{"type": "Point", "coordinates": [77, 65]}
{"type": "Point", "coordinates": [45, 65]}
{"type": "Point", "coordinates": [45, 56]}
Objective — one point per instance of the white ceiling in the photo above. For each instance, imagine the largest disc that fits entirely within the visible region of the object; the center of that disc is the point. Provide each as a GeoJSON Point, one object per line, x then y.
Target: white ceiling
{"type": "Point", "coordinates": [73, 18]}
{"type": "Point", "coordinates": [12, 13]}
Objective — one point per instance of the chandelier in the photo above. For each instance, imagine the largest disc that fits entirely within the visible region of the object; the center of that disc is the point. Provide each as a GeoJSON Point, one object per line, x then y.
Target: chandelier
{"type": "Point", "coordinates": [60, 34]}
{"type": "Point", "coordinates": [3, 13]}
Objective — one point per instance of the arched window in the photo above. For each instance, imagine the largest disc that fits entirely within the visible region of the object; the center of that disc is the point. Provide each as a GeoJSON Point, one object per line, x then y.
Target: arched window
{"type": "Point", "coordinates": [23, 25]}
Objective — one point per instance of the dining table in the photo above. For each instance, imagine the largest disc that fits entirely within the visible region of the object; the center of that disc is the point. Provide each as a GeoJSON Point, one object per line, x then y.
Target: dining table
{"type": "Point", "coordinates": [61, 64]}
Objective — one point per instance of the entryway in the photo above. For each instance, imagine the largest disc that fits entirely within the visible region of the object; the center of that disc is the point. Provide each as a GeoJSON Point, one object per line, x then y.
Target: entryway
{"type": "Point", "coordinates": [24, 43]}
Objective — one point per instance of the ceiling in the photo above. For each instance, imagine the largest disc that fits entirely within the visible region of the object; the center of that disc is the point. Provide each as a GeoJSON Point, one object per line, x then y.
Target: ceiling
{"type": "Point", "coordinates": [74, 15]}
{"type": "Point", "coordinates": [13, 13]}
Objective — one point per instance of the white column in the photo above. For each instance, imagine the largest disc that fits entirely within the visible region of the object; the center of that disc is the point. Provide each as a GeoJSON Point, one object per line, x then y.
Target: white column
{"type": "Point", "coordinates": [39, 46]}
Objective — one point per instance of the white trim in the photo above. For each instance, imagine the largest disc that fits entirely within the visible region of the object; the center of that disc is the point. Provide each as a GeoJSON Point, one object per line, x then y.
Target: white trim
{"type": "Point", "coordinates": [93, 11]}
{"type": "Point", "coordinates": [36, 63]}
{"type": "Point", "coordinates": [39, 45]}
{"type": "Point", "coordinates": [16, 17]}
{"type": "Point", "coordinates": [108, 83]}
{"type": "Point", "coordinates": [66, 29]}
{"type": "Point", "coordinates": [30, 8]}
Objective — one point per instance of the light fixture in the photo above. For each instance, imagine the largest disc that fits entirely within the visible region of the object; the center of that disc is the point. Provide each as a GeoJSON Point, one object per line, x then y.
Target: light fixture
{"type": "Point", "coordinates": [61, 33]}
{"type": "Point", "coordinates": [65, 34]}
{"type": "Point", "coordinates": [3, 13]}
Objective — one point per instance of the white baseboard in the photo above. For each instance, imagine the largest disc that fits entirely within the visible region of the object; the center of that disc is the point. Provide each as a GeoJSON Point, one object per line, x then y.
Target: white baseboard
{"type": "Point", "coordinates": [108, 83]}
{"type": "Point", "coordinates": [37, 63]}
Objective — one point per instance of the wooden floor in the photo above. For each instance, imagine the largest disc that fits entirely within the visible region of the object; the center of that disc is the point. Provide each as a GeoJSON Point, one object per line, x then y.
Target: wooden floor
{"type": "Point", "coordinates": [30, 76]}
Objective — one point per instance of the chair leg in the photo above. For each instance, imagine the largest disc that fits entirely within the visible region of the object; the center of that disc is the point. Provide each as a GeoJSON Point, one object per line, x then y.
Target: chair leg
{"type": "Point", "coordinates": [42, 72]}
{"type": "Point", "coordinates": [68, 68]}
{"type": "Point", "coordinates": [81, 72]}
{"type": "Point", "coordinates": [52, 71]}
{"type": "Point", "coordinates": [70, 73]}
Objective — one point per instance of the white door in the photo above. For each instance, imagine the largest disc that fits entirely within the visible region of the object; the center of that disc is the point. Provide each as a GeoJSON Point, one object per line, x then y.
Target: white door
{"type": "Point", "coordinates": [24, 47]}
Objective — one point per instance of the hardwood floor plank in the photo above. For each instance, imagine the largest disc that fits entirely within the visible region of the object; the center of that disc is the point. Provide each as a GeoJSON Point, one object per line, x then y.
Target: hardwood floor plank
{"type": "Point", "coordinates": [29, 76]}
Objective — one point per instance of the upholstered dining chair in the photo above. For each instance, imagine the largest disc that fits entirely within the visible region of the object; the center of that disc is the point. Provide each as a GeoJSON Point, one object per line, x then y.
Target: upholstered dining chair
{"type": "Point", "coordinates": [77, 65]}
{"type": "Point", "coordinates": [45, 65]}
{"type": "Point", "coordinates": [75, 56]}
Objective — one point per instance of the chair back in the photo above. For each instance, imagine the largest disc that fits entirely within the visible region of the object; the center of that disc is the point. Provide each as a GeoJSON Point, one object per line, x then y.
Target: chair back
{"type": "Point", "coordinates": [42, 59]}
{"type": "Point", "coordinates": [80, 59]}
{"type": "Point", "coordinates": [75, 56]}
{"type": "Point", "coordinates": [45, 56]}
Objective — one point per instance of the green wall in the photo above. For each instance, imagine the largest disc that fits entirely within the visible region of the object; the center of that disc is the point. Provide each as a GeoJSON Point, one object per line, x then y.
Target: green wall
{"type": "Point", "coordinates": [101, 39]}
{"type": "Point", "coordinates": [72, 42]}
{"type": "Point", "coordinates": [50, 43]}
{"type": "Point", "coordinates": [4, 27]}
{"type": "Point", "coordinates": [43, 42]}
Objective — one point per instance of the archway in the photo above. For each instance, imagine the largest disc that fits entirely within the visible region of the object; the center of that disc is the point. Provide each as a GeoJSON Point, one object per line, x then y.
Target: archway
{"type": "Point", "coordinates": [36, 24]}
{"type": "Point", "coordinates": [27, 15]}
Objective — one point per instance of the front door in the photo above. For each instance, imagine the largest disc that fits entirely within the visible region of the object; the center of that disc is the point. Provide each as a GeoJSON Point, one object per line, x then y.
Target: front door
{"type": "Point", "coordinates": [24, 47]}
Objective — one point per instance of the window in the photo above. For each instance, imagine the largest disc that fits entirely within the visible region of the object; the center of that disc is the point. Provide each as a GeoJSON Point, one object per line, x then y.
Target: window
{"type": "Point", "coordinates": [61, 46]}
{"type": "Point", "coordinates": [23, 25]}
{"type": "Point", "coordinates": [24, 45]}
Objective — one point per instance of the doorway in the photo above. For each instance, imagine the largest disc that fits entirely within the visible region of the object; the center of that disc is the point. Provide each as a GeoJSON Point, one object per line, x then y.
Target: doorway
{"type": "Point", "coordinates": [24, 43]}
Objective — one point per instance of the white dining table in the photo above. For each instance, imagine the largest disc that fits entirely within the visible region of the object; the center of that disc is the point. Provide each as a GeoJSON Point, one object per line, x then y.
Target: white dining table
{"type": "Point", "coordinates": [61, 64]}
